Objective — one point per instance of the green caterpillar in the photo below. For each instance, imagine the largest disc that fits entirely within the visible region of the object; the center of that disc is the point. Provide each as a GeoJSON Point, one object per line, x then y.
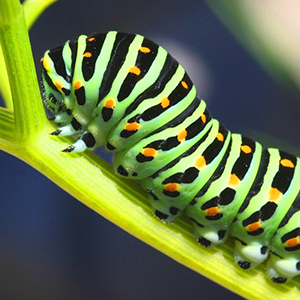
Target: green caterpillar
{"type": "Point", "coordinates": [127, 93]}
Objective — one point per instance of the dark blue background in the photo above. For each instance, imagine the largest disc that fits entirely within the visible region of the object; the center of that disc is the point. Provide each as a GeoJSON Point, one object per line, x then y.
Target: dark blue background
{"type": "Point", "coordinates": [52, 246]}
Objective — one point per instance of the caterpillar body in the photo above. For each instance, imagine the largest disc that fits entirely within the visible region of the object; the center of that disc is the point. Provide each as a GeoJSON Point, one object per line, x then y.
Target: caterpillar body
{"type": "Point", "coordinates": [127, 93]}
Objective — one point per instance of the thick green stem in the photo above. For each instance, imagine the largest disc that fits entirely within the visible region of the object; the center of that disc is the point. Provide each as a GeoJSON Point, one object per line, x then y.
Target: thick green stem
{"type": "Point", "coordinates": [32, 10]}
{"type": "Point", "coordinates": [7, 126]}
{"type": "Point", "coordinates": [29, 112]}
{"type": "Point", "coordinates": [4, 86]}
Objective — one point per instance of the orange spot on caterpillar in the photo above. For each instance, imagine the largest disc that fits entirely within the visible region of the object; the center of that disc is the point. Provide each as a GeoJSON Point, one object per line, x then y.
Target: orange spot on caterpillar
{"type": "Point", "coordinates": [149, 152]}
{"type": "Point", "coordinates": [274, 194]}
{"type": "Point", "coordinates": [135, 70]}
{"type": "Point", "coordinates": [201, 162]}
{"type": "Point", "coordinates": [58, 85]}
{"type": "Point", "coordinates": [91, 39]}
{"type": "Point", "coordinates": [203, 118]}
{"type": "Point", "coordinates": [182, 135]}
{"type": "Point", "coordinates": [287, 163]}
{"type": "Point", "coordinates": [77, 84]}
{"type": "Point", "coordinates": [233, 180]}
{"type": "Point", "coordinates": [144, 49]}
{"type": "Point", "coordinates": [171, 187]}
{"type": "Point", "coordinates": [109, 103]}
{"type": "Point", "coordinates": [132, 126]}
{"type": "Point", "coordinates": [220, 137]}
{"type": "Point", "coordinates": [246, 149]}
{"type": "Point", "coordinates": [254, 226]}
{"type": "Point", "coordinates": [87, 54]}
{"type": "Point", "coordinates": [165, 102]}
{"type": "Point", "coordinates": [184, 84]}
{"type": "Point", "coordinates": [292, 242]}
{"type": "Point", "coordinates": [213, 211]}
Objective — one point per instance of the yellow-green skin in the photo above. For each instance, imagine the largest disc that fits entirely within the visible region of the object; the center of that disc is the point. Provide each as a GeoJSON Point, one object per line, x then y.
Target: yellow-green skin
{"type": "Point", "coordinates": [126, 93]}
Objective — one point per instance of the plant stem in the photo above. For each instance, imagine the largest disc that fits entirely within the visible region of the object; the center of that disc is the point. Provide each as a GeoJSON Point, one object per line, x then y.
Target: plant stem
{"type": "Point", "coordinates": [28, 110]}
{"type": "Point", "coordinates": [33, 9]}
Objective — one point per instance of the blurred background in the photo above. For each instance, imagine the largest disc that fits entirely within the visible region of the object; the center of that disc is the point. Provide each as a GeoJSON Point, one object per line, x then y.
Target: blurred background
{"type": "Point", "coordinates": [52, 246]}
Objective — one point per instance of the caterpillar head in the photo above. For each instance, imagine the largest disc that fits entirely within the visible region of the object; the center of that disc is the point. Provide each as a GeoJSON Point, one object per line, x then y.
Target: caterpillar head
{"type": "Point", "coordinates": [55, 84]}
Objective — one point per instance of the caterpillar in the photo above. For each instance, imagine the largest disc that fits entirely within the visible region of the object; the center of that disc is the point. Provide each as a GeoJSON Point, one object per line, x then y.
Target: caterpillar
{"type": "Point", "coordinates": [126, 93]}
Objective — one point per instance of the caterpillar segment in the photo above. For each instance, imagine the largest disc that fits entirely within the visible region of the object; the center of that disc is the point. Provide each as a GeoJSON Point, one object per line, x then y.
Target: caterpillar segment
{"type": "Point", "coordinates": [128, 94]}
